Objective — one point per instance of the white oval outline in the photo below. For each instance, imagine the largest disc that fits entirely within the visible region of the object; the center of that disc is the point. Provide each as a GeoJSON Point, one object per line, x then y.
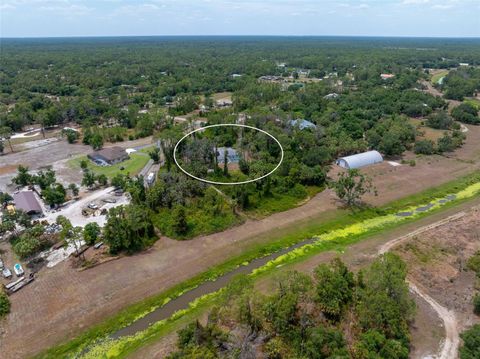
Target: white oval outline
{"type": "Point", "coordinates": [227, 125]}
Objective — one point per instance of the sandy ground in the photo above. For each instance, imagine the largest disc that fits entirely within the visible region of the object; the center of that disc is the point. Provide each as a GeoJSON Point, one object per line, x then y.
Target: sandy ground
{"type": "Point", "coordinates": [73, 211]}
{"type": "Point", "coordinates": [90, 296]}
{"type": "Point", "coordinates": [51, 152]}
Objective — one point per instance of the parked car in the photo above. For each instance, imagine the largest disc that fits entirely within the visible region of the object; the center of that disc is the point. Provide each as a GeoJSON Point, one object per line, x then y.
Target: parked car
{"type": "Point", "coordinates": [18, 269]}
{"type": "Point", "coordinates": [98, 245]}
{"type": "Point", "coordinates": [92, 205]}
{"type": "Point", "coordinates": [6, 273]}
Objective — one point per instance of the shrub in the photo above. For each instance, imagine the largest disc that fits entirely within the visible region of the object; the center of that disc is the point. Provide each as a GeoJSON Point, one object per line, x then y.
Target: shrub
{"type": "Point", "coordinates": [4, 304]}
{"type": "Point", "coordinates": [476, 304]}
{"type": "Point", "coordinates": [424, 147]}
{"type": "Point", "coordinates": [471, 343]}
{"type": "Point", "coordinates": [466, 113]}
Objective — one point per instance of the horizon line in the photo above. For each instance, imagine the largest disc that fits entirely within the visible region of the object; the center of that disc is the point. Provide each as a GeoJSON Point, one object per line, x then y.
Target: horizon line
{"type": "Point", "coordinates": [239, 35]}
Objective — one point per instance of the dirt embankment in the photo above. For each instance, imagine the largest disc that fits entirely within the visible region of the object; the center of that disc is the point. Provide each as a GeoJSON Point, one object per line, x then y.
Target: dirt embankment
{"type": "Point", "coordinates": [435, 331]}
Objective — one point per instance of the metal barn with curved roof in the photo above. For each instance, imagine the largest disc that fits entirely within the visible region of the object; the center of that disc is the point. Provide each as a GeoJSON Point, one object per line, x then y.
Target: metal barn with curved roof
{"type": "Point", "coordinates": [360, 160]}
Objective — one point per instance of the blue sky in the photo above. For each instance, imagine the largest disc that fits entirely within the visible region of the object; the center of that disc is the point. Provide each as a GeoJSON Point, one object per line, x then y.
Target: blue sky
{"type": "Point", "coordinates": [38, 18]}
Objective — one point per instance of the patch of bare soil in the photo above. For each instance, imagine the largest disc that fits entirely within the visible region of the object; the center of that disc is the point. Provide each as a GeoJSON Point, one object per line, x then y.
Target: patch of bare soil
{"type": "Point", "coordinates": [437, 259]}
{"type": "Point", "coordinates": [7, 169]}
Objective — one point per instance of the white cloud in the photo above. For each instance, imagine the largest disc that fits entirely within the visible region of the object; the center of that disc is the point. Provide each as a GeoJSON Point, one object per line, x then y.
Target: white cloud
{"type": "Point", "coordinates": [442, 6]}
{"type": "Point", "coordinates": [414, 2]}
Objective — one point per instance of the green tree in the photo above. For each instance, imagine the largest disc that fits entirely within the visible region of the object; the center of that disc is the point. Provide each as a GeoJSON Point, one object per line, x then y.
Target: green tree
{"type": "Point", "coordinates": [351, 186]}
{"type": "Point", "coordinates": [385, 303]}
{"type": "Point", "coordinates": [335, 285]}
{"type": "Point", "coordinates": [74, 189]}
{"type": "Point", "coordinates": [424, 147]}
{"type": "Point", "coordinates": [96, 141]}
{"type": "Point", "coordinates": [91, 233]}
{"type": "Point", "coordinates": [71, 235]}
{"type": "Point", "coordinates": [54, 195]}
{"type": "Point", "coordinates": [88, 179]}
{"type": "Point", "coordinates": [476, 304]}
{"type": "Point", "coordinates": [440, 120]}
{"type": "Point", "coordinates": [5, 199]}
{"type": "Point", "coordinates": [118, 181]}
{"type": "Point", "coordinates": [466, 113]}
{"type": "Point", "coordinates": [4, 304]}
{"type": "Point", "coordinates": [155, 154]}
{"type": "Point", "coordinates": [128, 228]}
{"type": "Point", "coordinates": [23, 178]}
{"type": "Point", "coordinates": [323, 343]}
{"type": "Point", "coordinates": [84, 165]}
{"type": "Point", "coordinates": [471, 343]}
{"type": "Point", "coordinates": [180, 225]}
{"type": "Point", "coordinates": [45, 179]}
{"type": "Point", "coordinates": [102, 180]}
{"type": "Point", "coordinates": [72, 135]}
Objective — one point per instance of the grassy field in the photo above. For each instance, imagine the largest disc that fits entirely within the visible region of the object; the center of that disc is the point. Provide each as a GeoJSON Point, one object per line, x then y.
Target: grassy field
{"type": "Point", "coordinates": [438, 76]}
{"type": "Point", "coordinates": [474, 102]}
{"type": "Point", "coordinates": [268, 244]}
{"type": "Point", "coordinates": [131, 166]}
{"type": "Point", "coordinates": [279, 202]}
{"type": "Point", "coordinates": [427, 133]}
{"type": "Point", "coordinates": [200, 222]}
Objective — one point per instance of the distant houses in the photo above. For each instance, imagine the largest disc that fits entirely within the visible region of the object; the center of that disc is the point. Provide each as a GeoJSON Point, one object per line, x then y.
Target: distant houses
{"type": "Point", "coordinates": [331, 96]}
{"type": "Point", "coordinates": [386, 76]}
{"type": "Point", "coordinates": [109, 155]}
{"type": "Point", "coordinates": [302, 124]}
{"type": "Point", "coordinates": [232, 155]}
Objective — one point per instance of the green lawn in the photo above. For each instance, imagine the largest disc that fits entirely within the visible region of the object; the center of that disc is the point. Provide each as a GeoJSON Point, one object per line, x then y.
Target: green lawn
{"type": "Point", "coordinates": [279, 202]}
{"type": "Point", "coordinates": [131, 166]}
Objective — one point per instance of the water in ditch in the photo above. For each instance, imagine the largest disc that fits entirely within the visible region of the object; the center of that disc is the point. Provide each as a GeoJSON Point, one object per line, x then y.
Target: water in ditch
{"type": "Point", "coordinates": [183, 301]}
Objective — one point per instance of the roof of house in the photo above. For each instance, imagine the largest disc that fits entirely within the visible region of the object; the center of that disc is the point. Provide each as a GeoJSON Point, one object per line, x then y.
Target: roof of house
{"type": "Point", "coordinates": [387, 76]}
{"type": "Point", "coordinates": [330, 96]}
{"type": "Point", "coordinates": [27, 202]}
{"type": "Point", "coordinates": [110, 153]}
{"type": "Point", "coordinates": [232, 155]}
{"type": "Point", "coordinates": [302, 124]}
{"type": "Point", "coordinates": [360, 160]}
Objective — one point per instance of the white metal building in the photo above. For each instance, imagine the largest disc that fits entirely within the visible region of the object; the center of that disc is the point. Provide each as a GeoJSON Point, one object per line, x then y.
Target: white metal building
{"type": "Point", "coordinates": [360, 160]}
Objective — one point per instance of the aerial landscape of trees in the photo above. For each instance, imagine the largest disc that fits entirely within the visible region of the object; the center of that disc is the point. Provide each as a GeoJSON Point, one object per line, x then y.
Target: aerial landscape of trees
{"type": "Point", "coordinates": [320, 98]}
{"type": "Point", "coordinates": [308, 317]}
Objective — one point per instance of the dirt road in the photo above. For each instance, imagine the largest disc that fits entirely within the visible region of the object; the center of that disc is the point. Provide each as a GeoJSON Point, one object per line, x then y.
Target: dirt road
{"type": "Point", "coordinates": [449, 348]}
{"type": "Point", "coordinates": [429, 343]}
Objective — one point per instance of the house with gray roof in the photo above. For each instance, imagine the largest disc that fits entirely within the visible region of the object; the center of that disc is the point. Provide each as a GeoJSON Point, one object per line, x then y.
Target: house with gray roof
{"type": "Point", "coordinates": [109, 155]}
{"type": "Point", "coordinates": [27, 202]}
{"type": "Point", "coordinates": [302, 124]}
